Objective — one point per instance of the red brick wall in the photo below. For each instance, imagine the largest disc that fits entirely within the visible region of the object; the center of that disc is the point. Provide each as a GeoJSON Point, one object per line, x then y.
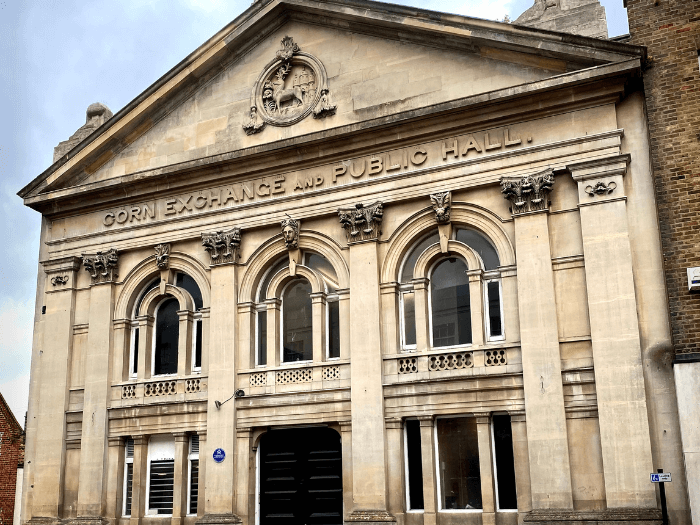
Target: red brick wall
{"type": "Point", "coordinates": [9, 457]}
{"type": "Point", "coordinates": [671, 32]}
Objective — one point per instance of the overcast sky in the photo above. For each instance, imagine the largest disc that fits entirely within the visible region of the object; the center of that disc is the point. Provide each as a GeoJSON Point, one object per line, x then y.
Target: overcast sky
{"type": "Point", "coordinates": [59, 56]}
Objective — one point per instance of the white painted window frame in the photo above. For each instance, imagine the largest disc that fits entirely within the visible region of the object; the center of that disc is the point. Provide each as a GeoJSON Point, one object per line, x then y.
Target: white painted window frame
{"type": "Point", "coordinates": [430, 306]}
{"type": "Point", "coordinates": [127, 461]}
{"type": "Point", "coordinates": [153, 341]}
{"type": "Point", "coordinates": [259, 308]}
{"type": "Point", "coordinates": [437, 471]}
{"type": "Point", "coordinates": [148, 477]}
{"type": "Point", "coordinates": [403, 290]}
{"type": "Point", "coordinates": [191, 456]}
{"type": "Point", "coordinates": [332, 298]}
{"type": "Point", "coordinates": [281, 340]}
{"type": "Point", "coordinates": [487, 308]}
{"type": "Point", "coordinates": [195, 328]}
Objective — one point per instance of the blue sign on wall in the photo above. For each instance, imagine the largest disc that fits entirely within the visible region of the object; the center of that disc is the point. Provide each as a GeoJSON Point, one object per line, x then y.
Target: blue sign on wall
{"type": "Point", "coordinates": [219, 455]}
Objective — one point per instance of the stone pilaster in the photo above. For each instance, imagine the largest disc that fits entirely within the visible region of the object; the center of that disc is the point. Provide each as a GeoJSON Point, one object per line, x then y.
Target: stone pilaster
{"type": "Point", "coordinates": [617, 355]}
{"type": "Point", "coordinates": [52, 384]}
{"type": "Point", "coordinates": [427, 446]}
{"type": "Point", "coordinates": [548, 449]}
{"type": "Point", "coordinates": [488, 489]}
{"type": "Point", "coordinates": [182, 441]}
{"type": "Point", "coordinates": [395, 461]}
{"type": "Point", "coordinates": [219, 482]}
{"type": "Point", "coordinates": [139, 486]}
{"type": "Point", "coordinates": [115, 478]}
{"type": "Point", "coordinates": [244, 455]}
{"type": "Point", "coordinates": [97, 384]}
{"type": "Point", "coordinates": [521, 462]}
{"type": "Point", "coordinates": [346, 443]}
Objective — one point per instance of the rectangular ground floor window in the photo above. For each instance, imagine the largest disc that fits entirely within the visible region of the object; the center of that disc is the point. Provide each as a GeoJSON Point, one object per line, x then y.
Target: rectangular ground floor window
{"type": "Point", "coordinates": [504, 463]}
{"type": "Point", "coordinates": [161, 475]}
{"type": "Point", "coordinates": [458, 464]}
{"type": "Point", "coordinates": [414, 465]}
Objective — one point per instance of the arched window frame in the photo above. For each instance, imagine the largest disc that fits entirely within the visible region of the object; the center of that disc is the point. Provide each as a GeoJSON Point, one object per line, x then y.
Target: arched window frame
{"type": "Point", "coordinates": [269, 311]}
{"type": "Point", "coordinates": [479, 280]}
{"type": "Point", "coordinates": [431, 332]}
{"type": "Point", "coordinates": [162, 301]}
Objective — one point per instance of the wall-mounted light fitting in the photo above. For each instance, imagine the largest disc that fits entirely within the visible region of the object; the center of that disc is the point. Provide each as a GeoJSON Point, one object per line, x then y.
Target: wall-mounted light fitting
{"type": "Point", "coordinates": [238, 393]}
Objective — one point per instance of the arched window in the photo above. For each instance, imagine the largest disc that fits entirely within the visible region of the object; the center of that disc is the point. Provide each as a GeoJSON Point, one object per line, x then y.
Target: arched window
{"type": "Point", "coordinates": [298, 309]}
{"type": "Point", "coordinates": [450, 298]}
{"type": "Point", "coordinates": [163, 334]}
{"type": "Point", "coordinates": [297, 324]}
{"type": "Point", "coordinates": [450, 306]}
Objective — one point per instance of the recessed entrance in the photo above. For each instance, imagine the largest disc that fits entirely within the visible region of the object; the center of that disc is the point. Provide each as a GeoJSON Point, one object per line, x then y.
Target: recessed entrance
{"type": "Point", "coordinates": [301, 477]}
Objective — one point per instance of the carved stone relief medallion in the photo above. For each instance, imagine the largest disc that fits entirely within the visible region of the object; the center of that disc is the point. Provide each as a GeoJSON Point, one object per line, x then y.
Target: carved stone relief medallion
{"type": "Point", "coordinates": [292, 86]}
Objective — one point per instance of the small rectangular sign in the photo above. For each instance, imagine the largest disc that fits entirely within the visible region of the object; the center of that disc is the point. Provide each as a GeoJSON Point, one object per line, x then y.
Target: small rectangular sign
{"type": "Point", "coordinates": [661, 477]}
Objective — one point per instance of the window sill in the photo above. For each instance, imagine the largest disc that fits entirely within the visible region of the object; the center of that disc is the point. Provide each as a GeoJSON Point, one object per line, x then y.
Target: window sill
{"type": "Point", "coordinates": [462, 511]}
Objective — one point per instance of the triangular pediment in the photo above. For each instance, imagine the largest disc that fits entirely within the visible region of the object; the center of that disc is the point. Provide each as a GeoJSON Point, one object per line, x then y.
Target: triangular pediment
{"type": "Point", "coordinates": [355, 62]}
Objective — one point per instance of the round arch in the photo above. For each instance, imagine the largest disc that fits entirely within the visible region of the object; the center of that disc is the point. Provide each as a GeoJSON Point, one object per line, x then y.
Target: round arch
{"type": "Point", "coordinates": [433, 253]}
{"type": "Point", "coordinates": [463, 214]}
{"type": "Point", "coordinates": [147, 270]}
{"type": "Point", "coordinates": [282, 277]}
{"type": "Point", "coordinates": [153, 297]}
{"type": "Point", "coordinates": [272, 249]}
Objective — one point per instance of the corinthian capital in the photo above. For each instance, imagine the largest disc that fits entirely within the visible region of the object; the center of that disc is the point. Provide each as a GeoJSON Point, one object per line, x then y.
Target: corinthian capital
{"type": "Point", "coordinates": [529, 193]}
{"type": "Point", "coordinates": [362, 223]}
{"type": "Point", "coordinates": [102, 266]}
{"type": "Point", "coordinates": [223, 246]}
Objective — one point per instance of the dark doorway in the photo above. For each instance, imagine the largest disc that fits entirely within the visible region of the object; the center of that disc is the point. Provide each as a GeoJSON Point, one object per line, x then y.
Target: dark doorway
{"type": "Point", "coordinates": [301, 477]}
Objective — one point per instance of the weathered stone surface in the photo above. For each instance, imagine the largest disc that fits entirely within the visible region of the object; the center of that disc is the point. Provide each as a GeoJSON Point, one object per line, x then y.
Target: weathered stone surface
{"type": "Point", "coordinates": [580, 17]}
{"type": "Point", "coordinates": [96, 115]}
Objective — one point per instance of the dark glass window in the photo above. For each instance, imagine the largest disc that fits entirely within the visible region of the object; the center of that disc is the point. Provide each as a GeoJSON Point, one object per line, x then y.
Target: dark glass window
{"type": "Point", "coordinates": [414, 463]}
{"type": "Point", "coordinates": [410, 263]}
{"type": "Point", "coordinates": [160, 490]}
{"type": "Point", "coordinates": [505, 463]}
{"type": "Point", "coordinates": [458, 451]}
{"type": "Point", "coordinates": [184, 281]}
{"type": "Point", "coordinates": [198, 344]}
{"type": "Point", "coordinates": [481, 245]}
{"type": "Point", "coordinates": [262, 338]}
{"type": "Point", "coordinates": [129, 488]}
{"type": "Point", "coordinates": [296, 324]}
{"type": "Point", "coordinates": [409, 319]}
{"type": "Point", "coordinates": [333, 329]}
{"type": "Point", "coordinates": [150, 286]}
{"type": "Point", "coordinates": [135, 367]}
{"type": "Point", "coordinates": [166, 338]}
{"type": "Point", "coordinates": [494, 294]}
{"type": "Point", "coordinates": [194, 485]}
{"type": "Point", "coordinates": [451, 315]}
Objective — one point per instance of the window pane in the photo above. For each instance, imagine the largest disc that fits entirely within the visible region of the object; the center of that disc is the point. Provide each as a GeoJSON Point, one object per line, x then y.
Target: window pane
{"type": "Point", "coordinates": [505, 464]}
{"type": "Point", "coordinates": [324, 267]}
{"type": "Point", "coordinates": [495, 326]}
{"type": "Point", "coordinates": [409, 318]}
{"type": "Point", "coordinates": [410, 263]}
{"type": "Point", "coordinates": [334, 329]}
{"type": "Point", "coordinates": [135, 352]}
{"type": "Point", "coordinates": [198, 344]}
{"type": "Point", "coordinates": [160, 490]}
{"type": "Point", "coordinates": [298, 337]}
{"type": "Point", "coordinates": [186, 282]}
{"type": "Point", "coordinates": [194, 485]}
{"type": "Point", "coordinates": [458, 448]}
{"type": "Point", "coordinates": [449, 287]}
{"type": "Point", "coordinates": [262, 339]}
{"type": "Point", "coordinates": [167, 334]}
{"type": "Point", "coordinates": [128, 488]}
{"type": "Point", "coordinates": [480, 244]}
{"type": "Point", "coordinates": [150, 286]}
{"type": "Point", "coordinates": [282, 263]}
{"type": "Point", "coordinates": [414, 464]}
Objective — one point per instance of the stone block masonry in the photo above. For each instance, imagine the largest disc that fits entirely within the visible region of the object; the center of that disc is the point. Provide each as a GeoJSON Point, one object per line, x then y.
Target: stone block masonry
{"type": "Point", "coordinates": [671, 31]}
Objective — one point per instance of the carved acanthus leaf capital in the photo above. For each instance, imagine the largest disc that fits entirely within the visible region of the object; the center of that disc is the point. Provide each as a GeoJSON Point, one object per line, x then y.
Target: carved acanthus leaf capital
{"type": "Point", "coordinates": [223, 246]}
{"type": "Point", "coordinates": [102, 266]}
{"type": "Point", "coordinates": [290, 233]}
{"type": "Point", "coordinates": [362, 223]}
{"type": "Point", "coordinates": [529, 193]}
{"type": "Point", "coordinates": [442, 205]}
{"type": "Point", "coordinates": [163, 256]}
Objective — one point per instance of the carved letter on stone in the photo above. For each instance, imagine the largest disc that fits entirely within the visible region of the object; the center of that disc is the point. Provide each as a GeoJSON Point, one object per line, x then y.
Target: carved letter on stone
{"type": "Point", "coordinates": [163, 256]}
{"type": "Point", "coordinates": [290, 232]}
{"type": "Point", "coordinates": [600, 188]}
{"type": "Point", "coordinates": [442, 204]}
{"type": "Point", "coordinates": [528, 193]}
{"type": "Point", "coordinates": [222, 246]}
{"type": "Point", "coordinates": [293, 86]}
{"type": "Point", "coordinates": [102, 266]}
{"type": "Point", "coordinates": [362, 222]}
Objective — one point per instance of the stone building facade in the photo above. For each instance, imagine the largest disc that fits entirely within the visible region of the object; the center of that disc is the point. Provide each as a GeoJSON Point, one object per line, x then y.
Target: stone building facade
{"type": "Point", "coordinates": [355, 262]}
{"type": "Point", "coordinates": [11, 459]}
{"type": "Point", "coordinates": [671, 32]}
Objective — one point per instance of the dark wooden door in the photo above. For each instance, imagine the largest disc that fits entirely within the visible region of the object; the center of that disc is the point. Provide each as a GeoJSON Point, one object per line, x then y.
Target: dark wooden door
{"type": "Point", "coordinates": [301, 479]}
